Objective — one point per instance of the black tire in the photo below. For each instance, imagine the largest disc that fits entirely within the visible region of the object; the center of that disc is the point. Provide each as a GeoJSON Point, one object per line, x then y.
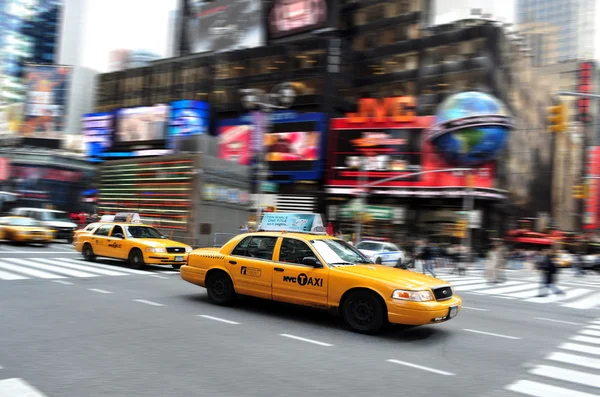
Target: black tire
{"type": "Point", "coordinates": [177, 266]}
{"type": "Point", "coordinates": [400, 264]}
{"type": "Point", "coordinates": [70, 240]}
{"type": "Point", "coordinates": [364, 312]}
{"type": "Point", "coordinates": [378, 261]}
{"type": "Point", "coordinates": [220, 288]}
{"type": "Point", "coordinates": [136, 259]}
{"type": "Point", "coordinates": [88, 253]}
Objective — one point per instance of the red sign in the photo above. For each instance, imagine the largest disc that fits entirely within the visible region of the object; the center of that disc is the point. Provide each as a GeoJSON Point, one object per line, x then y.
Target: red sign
{"type": "Point", "coordinates": [592, 201]}
{"type": "Point", "coordinates": [234, 143]}
{"type": "Point", "coordinates": [585, 85]}
{"type": "Point", "coordinates": [52, 174]}
{"type": "Point", "coordinates": [353, 159]}
{"type": "Point", "coordinates": [4, 169]}
{"type": "Point", "coordinates": [289, 17]}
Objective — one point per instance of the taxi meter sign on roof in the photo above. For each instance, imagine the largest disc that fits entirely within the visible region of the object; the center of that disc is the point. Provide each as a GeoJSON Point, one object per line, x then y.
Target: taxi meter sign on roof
{"type": "Point", "coordinates": [127, 217]}
{"type": "Point", "coordinates": [303, 223]}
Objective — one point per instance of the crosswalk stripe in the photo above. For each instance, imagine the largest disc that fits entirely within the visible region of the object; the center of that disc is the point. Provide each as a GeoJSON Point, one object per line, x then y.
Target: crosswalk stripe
{"type": "Point", "coordinates": [585, 339]}
{"type": "Point", "coordinates": [484, 285]}
{"type": "Point", "coordinates": [580, 348]}
{"type": "Point", "coordinates": [87, 269]}
{"type": "Point", "coordinates": [537, 389]}
{"type": "Point", "coordinates": [530, 294]}
{"type": "Point", "coordinates": [575, 360]}
{"type": "Point", "coordinates": [568, 295]}
{"type": "Point", "coordinates": [568, 375]}
{"type": "Point", "coordinates": [465, 282]}
{"type": "Point", "coordinates": [590, 332]}
{"type": "Point", "coordinates": [51, 268]}
{"type": "Point", "coordinates": [28, 271]}
{"type": "Point", "coordinates": [11, 276]}
{"type": "Point", "coordinates": [16, 387]}
{"type": "Point", "coordinates": [505, 290]}
{"type": "Point", "coordinates": [588, 302]}
{"type": "Point", "coordinates": [593, 327]}
{"type": "Point", "coordinates": [109, 267]}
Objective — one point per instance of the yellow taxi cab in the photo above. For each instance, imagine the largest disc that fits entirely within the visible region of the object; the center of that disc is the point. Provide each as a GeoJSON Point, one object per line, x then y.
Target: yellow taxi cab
{"type": "Point", "coordinates": [291, 259]}
{"type": "Point", "coordinates": [92, 227]}
{"type": "Point", "coordinates": [128, 239]}
{"type": "Point", "coordinates": [20, 229]}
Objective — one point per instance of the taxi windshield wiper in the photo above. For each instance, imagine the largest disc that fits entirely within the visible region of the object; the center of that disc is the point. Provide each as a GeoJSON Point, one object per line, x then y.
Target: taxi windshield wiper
{"type": "Point", "coordinates": [342, 264]}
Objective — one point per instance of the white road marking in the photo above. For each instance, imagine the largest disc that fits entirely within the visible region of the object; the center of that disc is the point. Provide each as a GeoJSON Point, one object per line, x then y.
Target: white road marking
{"type": "Point", "coordinates": [103, 272]}
{"type": "Point", "coordinates": [11, 276]}
{"type": "Point", "coordinates": [28, 271]}
{"type": "Point", "coordinates": [593, 327]}
{"type": "Point", "coordinates": [476, 309]}
{"type": "Point", "coordinates": [585, 339]}
{"type": "Point", "coordinates": [148, 302]}
{"type": "Point", "coordinates": [490, 334]}
{"type": "Point", "coordinates": [62, 282]}
{"type": "Point", "coordinates": [16, 387]}
{"type": "Point", "coordinates": [588, 302]}
{"type": "Point", "coordinates": [504, 290]}
{"type": "Point", "coordinates": [168, 271]}
{"type": "Point", "coordinates": [505, 297]}
{"type": "Point", "coordinates": [44, 252]}
{"type": "Point", "coordinates": [575, 360]}
{"type": "Point", "coordinates": [580, 348]}
{"type": "Point", "coordinates": [484, 285]}
{"type": "Point", "coordinates": [590, 332]}
{"type": "Point", "coordinates": [531, 294]}
{"type": "Point", "coordinates": [108, 267]}
{"type": "Point", "coordinates": [218, 319]}
{"type": "Point", "coordinates": [9, 249]}
{"type": "Point", "coordinates": [568, 375]}
{"type": "Point", "coordinates": [316, 342]}
{"type": "Point", "coordinates": [51, 268]}
{"type": "Point", "coordinates": [99, 290]}
{"type": "Point", "coordinates": [435, 371]}
{"type": "Point", "coordinates": [69, 249]}
{"type": "Point", "coordinates": [556, 321]}
{"type": "Point", "coordinates": [537, 389]}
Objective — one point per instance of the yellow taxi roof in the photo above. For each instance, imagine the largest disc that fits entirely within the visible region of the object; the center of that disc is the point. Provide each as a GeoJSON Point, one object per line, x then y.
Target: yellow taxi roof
{"type": "Point", "coordinates": [298, 235]}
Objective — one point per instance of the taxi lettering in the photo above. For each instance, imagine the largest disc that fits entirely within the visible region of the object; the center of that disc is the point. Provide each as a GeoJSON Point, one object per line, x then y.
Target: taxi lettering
{"type": "Point", "coordinates": [303, 280]}
{"type": "Point", "coordinates": [114, 245]}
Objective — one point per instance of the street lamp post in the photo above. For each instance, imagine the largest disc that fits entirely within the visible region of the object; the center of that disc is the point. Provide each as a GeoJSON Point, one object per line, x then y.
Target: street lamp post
{"type": "Point", "coordinates": [282, 96]}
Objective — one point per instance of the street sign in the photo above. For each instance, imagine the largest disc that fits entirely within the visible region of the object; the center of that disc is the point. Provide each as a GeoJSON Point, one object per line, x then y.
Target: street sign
{"type": "Point", "coordinates": [269, 187]}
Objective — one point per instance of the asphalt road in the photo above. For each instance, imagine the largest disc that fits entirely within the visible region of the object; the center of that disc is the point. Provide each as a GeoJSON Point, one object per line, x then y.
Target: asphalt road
{"type": "Point", "coordinates": [152, 334]}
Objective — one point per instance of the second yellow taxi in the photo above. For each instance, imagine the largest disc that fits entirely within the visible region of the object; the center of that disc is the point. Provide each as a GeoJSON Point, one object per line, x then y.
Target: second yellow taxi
{"type": "Point", "coordinates": [291, 259]}
{"type": "Point", "coordinates": [18, 229]}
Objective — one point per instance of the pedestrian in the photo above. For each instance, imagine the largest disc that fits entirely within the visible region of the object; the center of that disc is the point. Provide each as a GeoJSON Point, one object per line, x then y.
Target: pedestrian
{"type": "Point", "coordinates": [495, 263]}
{"type": "Point", "coordinates": [549, 269]}
{"type": "Point", "coordinates": [461, 259]}
{"type": "Point", "coordinates": [428, 258]}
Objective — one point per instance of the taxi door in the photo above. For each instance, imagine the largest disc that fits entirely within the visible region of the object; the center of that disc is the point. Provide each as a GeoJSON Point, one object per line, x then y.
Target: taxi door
{"type": "Point", "coordinates": [117, 246]}
{"type": "Point", "coordinates": [295, 282]}
{"type": "Point", "coordinates": [251, 265]}
{"type": "Point", "coordinates": [99, 240]}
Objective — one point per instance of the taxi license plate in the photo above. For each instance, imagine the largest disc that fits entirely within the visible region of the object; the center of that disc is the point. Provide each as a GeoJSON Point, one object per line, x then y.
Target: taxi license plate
{"type": "Point", "coordinates": [453, 311]}
{"type": "Point", "coordinates": [178, 258]}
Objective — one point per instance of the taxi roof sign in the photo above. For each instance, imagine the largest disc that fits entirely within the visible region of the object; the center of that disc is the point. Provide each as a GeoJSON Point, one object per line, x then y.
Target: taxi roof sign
{"type": "Point", "coordinates": [302, 223]}
{"type": "Point", "coordinates": [107, 218]}
{"type": "Point", "coordinates": [127, 217]}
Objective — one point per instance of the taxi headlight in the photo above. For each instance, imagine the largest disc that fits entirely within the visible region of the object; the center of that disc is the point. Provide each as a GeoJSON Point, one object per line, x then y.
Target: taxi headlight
{"type": "Point", "coordinates": [188, 250]}
{"type": "Point", "coordinates": [416, 296]}
{"type": "Point", "coordinates": [156, 250]}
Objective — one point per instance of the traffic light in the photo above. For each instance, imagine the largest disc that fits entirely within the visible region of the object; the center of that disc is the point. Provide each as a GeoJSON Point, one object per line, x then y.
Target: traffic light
{"type": "Point", "coordinates": [578, 192]}
{"type": "Point", "coordinates": [558, 118]}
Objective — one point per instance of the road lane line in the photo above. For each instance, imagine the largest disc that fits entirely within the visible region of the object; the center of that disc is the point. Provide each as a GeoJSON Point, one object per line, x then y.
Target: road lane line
{"type": "Point", "coordinates": [148, 302]}
{"type": "Point", "coordinates": [99, 290]}
{"type": "Point", "coordinates": [504, 297]}
{"type": "Point", "coordinates": [490, 334]}
{"type": "Point", "coordinates": [593, 327]}
{"type": "Point", "coordinates": [568, 375]}
{"type": "Point", "coordinates": [87, 269]}
{"type": "Point", "coordinates": [70, 249]}
{"type": "Point", "coordinates": [27, 271]}
{"type": "Point", "coordinates": [476, 309]}
{"type": "Point", "coordinates": [537, 389]}
{"type": "Point", "coordinates": [16, 387]}
{"type": "Point", "coordinates": [588, 302]}
{"type": "Point", "coordinates": [556, 321]}
{"type": "Point", "coordinates": [11, 276]}
{"type": "Point", "coordinates": [41, 252]}
{"type": "Point", "coordinates": [316, 342]}
{"type": "Point", "coordinates": [580, 348]}
{"type": "Point", "coordinates": [218, 319]}
{"type": "Point", "coordinates": [590, 332]}
{"type": "Point", "coordinates": [585, 339]}
{"type": "Point", "coordinates": [159, 276]}
{"type": "Point", "coordinates": [51, 268]}
{"type": "Point", "coordinates": [575, 360]}
{"type": "Point", "coordinates": [62, 282]}
{"type": "Point", "coordinates": [435, 371]}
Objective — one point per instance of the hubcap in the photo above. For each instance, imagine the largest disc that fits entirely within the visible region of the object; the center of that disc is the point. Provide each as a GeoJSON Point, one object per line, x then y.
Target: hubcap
{"type": "Point", "coordinates": [219, 288]}
{"type": "Point", "coordinates": [362, 311]}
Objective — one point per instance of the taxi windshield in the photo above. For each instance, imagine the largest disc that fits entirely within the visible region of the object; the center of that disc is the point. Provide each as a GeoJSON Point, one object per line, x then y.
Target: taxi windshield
{"type": "Point", "coordinates": [24, 222]}
{"type": "Point", "coordinates": [339, 252]}
{"type": "Point", "coordinates": [143, 232]}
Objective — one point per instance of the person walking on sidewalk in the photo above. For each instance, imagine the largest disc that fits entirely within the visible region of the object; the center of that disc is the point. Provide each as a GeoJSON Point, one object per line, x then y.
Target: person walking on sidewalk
{"type": "Point", "coordinates": [428, 258]}
{"type": "Point", "coordinates": [495, 263]}
{"type": "Point", "coordinates": [549, 270]}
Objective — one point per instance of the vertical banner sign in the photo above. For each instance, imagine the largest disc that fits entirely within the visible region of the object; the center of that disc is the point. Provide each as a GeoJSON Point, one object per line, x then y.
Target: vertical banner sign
{"type": "Point", "coordinates": [584, 85]}
{"type": "Point", "coordinates": [592, 199]}
{"type": "Point", "coordinates": [46, 100]}
{"type": "Point", "coordinates": [259, 123]}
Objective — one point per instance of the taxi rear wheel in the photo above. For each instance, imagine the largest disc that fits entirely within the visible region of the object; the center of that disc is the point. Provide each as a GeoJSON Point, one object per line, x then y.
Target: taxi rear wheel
{"type": "Point", "coordinates": [88, 253]}
{"type": "Point", "coordinates": [364, 312]}
{"type": "Point", "coordinates": [220, 288]}
{"type": "Point", "coordinates": [136, 259]}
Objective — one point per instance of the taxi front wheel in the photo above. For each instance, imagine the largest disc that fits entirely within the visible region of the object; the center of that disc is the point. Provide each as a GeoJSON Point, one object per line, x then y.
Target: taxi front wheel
{"type": "Point", "coordinates": [220, 288]}
{"type": "Point", "coordinates": [88, 253]}
{"type": "Point", "coordinates": [136, 259]}
{"type": "Point", "coordinates": [364, 312]}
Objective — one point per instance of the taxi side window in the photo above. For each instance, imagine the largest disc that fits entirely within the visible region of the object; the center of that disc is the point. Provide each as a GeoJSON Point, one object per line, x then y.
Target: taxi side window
{"type": "Point", "coordinates": [90, 227]}
{"type": "Point", "coordinates": [117, 229]}
{"type": "Point", "coordinates": [260, 247]}
{"type": "Point", "coordinates": [103, 230]}
{"type": "Point", "coordinates": [293, 251]}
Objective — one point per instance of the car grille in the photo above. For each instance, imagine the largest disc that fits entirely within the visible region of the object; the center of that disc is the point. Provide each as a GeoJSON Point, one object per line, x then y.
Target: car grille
{"type": "Point", "coordinates": [442, 293]}
{"type": "Point", "coordinates": [176, 250]}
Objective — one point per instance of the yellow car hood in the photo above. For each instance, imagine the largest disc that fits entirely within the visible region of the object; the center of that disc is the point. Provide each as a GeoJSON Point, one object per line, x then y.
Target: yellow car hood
{"type": "Point", "coordinates": [398, 277]}
{"type": "Point", "coordinates": [160, 243]}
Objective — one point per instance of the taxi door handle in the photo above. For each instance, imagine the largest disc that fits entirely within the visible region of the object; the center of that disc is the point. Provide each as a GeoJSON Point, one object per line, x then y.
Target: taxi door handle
{"type": "Point", "coordinates": [233, 262]}
{"type": "Point", "coordinates": [278, 269]}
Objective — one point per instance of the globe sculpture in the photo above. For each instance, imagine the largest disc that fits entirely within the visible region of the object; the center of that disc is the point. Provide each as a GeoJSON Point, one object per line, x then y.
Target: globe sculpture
{"type": "Point", "coordinates": [471, 128]}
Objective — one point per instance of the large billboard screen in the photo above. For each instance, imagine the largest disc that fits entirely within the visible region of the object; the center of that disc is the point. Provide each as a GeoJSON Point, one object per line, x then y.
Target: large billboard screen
{"type": "Point", "coordinates": [591, 202]}
{"type": "Point", "coordinates": [97, 133]}
{"type": "Point", "coordinates": [140, 125]}
{"type": "Point", "coordinates": [289, 17]}
{"type": "Point", "coordinates": [225, 25]}
{"type": "Point", "coordinates": [234, 143]}
{"type": "Point", "coordinates": [188, 119]}
{"type": "Point", "coordinates": [46, 100]}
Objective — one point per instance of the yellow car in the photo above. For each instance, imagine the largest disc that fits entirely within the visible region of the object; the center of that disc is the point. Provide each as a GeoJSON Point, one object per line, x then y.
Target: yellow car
{"type": "Point", "coordinates": [300, 264]}
{"type": "Point", "coordinates": [25, 230]}
{"type": "Point", "coordinates": [135, 242]}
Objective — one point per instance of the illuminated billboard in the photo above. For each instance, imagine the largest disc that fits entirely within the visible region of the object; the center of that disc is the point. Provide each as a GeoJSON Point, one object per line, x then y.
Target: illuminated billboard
{"type": "Point", "coordinates": [98, 133]}
{"type": "Point", "coordinates": [141, 125]}
{"type": "Point", "coordinates": [187, 119]}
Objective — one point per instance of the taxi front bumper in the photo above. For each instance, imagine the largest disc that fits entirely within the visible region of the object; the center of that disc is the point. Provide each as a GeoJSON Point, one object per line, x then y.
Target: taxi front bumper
{"type": "Point", "coordinates": [421, 313]}
{"type": "Point", "coordinates": [31, 237]}
{"type": "Point", "coordinates": [153, 258]}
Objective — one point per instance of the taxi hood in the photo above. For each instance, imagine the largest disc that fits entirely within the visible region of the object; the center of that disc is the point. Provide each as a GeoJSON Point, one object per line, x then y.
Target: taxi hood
{"type": "Point", "coordinates": [157, 243]}
{"type": "Point", "coordinates": [399, 277]}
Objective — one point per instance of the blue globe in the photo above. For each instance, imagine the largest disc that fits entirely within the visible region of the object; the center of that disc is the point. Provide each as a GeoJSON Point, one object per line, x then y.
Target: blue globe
{"type": "Point", "coordinates": [471, 145]}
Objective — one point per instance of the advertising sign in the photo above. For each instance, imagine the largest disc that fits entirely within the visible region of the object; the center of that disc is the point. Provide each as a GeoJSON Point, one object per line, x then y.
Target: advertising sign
{"type": "Point", "coordinates": [585, 81]}
{"type": "Point", "coordinates": [592, 199]}
{"type": "Point", "coordinates": [223, 194]}
{"type": "Point", "coordinates": [141, 124]}
{"type": "Point", "coordinates": [234, 143]}
{"type": "Point", "coordinates": [97, 133]}
{"type": "Point", "coordinates": [46, 100]}
{"type": "Point", "coordinates": [289, 17]}
{"type": "Point", "coordinates": [11, 117]}
{"type": "Point", "coordinates": [225, 25]}
{"type": "Point", "coordinates": [292, 223]}
{"type": "Point", "coordinates": [187, 119]}
{"type": "Point", "coordinates": [292, 146]}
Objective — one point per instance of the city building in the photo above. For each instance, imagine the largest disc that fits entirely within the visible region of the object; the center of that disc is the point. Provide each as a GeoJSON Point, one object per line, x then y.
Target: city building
{"type": "Point", "coordinates": [122, 59]}
{"type": "Point", "coordinates": [558, 30]}
{"type": "Point", "coordinates": [344, 53]}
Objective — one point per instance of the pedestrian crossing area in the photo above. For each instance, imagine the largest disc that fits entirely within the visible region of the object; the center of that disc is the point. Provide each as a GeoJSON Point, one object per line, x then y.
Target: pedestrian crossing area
{"type": "Point", "coordinates": [576, 295]}
{"type": "Point", "coordinates": [17, 387]}
{"type": "Point", "coordinates": [573, 370]}
{"type": "Point", "coordinates": [60, 268]}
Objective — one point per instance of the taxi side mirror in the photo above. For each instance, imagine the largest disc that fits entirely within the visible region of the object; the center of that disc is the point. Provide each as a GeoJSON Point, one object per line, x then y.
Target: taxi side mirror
{"type": "Point", "coordinates": [118, 235]}
{"type": "Point", "coordinates": [311, 261]}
